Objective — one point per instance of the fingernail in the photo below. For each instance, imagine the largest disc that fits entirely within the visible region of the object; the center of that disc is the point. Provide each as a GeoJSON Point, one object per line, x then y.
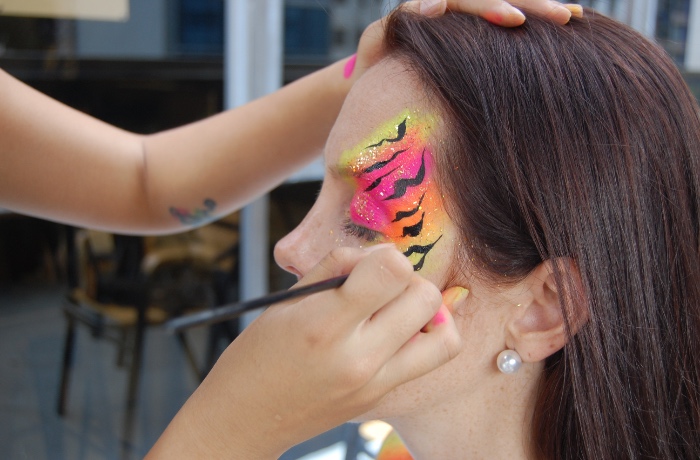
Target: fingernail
{"type": "Point", "coordinates": [576, 10]}
{"type": "Point", "coordinates": [350, 66]}
{"type": "Point", "coordinates": [430, 7]}
{"type": "Point", "coordinates": [440, 318]}
{"type": "Point", "coordinates": [453, 295]}
{"type": "Point", "coordinates": [505, 15]}
{"type": "Point", "coordinates": [559, 13]}
{"type": "Point", "coordinates": [514, 14]}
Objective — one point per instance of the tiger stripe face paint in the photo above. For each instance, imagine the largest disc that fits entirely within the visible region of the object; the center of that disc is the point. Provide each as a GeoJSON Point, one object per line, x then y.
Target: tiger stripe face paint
{"type": "Point", "coordinates": [395, 194]}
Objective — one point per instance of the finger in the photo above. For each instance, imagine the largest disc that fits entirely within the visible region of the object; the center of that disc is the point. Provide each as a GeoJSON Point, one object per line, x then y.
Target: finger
{"type": "Point", "coordinates": [506, 14]}
{"type": "Point", "coordinates": [406, 314]}
{"type": "Point", "coordinates": [549, 9]}
{"type": "Point", "coordinates": [370, 49]}
{"type": "Point", "coordinates": [414, 6]}
{"type": "Point", "coordinates": [423, 353]}
{"type": "Point", "coordinates": [451, 298]}
{"type": "Point", "coordinates": [576, 10]}
{"type": "Point", "coordinates": [432, 8]}
{"type": "Point", "coordinates": [378, 278]}
{"type": "Point", "coordinates": [372, 39]}
{"type": "Point", "coordinates": [496, 11]}
{"type": "Point", "coordinates": [340, 261]}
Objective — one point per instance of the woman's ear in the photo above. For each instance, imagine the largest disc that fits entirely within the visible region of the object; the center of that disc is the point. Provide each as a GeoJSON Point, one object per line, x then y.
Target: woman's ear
{"type": "Point", "coordinates": [537, 328]}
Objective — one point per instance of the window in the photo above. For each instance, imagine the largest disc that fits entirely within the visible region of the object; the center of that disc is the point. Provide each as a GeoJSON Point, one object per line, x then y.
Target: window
{"type": "Point", "coordinates": [306, 29]}
{"type": "Point", "coordinates": [200, 27]}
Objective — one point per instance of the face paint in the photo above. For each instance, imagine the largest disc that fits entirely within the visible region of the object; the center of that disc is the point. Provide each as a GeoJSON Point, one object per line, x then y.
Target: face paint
{"type": "Point", "coordinates": [395, 192]}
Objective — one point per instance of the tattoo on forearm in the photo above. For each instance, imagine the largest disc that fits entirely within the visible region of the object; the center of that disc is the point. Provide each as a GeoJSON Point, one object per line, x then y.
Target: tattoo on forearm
{"type": "Point", "coordinates": [197, 216]}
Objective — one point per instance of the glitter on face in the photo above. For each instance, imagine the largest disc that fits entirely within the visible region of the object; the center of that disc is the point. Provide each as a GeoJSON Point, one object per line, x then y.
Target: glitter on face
{"type": "Point", "coordinates": [395, 191]}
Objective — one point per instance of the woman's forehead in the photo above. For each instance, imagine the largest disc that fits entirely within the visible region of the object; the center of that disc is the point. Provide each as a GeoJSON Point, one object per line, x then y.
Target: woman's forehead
{"type": "Point", "coordinates": [379, 96]}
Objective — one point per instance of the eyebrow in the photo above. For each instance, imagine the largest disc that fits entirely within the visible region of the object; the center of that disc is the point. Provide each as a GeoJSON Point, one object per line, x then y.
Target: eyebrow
{"type": "Point", "coordinates": [348, 170]}
{"type": "Point", "coordinates": [400, 133]}
{"type": "Point", "coordinates": [340, 171]}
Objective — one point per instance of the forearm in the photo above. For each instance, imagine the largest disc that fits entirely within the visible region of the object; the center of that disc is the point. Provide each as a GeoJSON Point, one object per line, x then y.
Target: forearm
{"type": "Point", "coordinates": [60, 164]}
{"type": "Point", "coordinates": [237, 155]}
{"type": "Point", "coordinates": [195, 434]}
{"type": "Point", "coordinates": [219, 421]}
{"type": "Point", "coordinates": [311, 364]}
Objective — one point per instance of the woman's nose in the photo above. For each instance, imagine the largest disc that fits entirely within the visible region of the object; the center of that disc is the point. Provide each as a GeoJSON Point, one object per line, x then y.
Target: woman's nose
{"type": "Point", "coordinates": [295, 252]}
{"type": "Point", "coordinates": [283, 257]}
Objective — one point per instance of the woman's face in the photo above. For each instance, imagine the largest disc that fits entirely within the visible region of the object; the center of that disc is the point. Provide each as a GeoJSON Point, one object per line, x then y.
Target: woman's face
{"type": "Point", "coordinates": [380, 182]}
{"type": "Point", "coordinates": [381, 162]}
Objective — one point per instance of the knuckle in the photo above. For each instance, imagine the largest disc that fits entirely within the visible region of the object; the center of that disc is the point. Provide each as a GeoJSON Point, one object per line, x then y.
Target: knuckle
{"type": "Point", "coordinates": [357, 373]}
{"type": "Point", "coordinates": [374, 31]}
{"type": "Point", "coordinates": [338, 255]}
{"type": "Point", "coordinates": [316, 339]}
{"type": "Point", "coordinates": [319, 334]}
{"type": "Point", "coordinates": [335, 260]}
{"type": "Point", "coordinates": [426, 293]}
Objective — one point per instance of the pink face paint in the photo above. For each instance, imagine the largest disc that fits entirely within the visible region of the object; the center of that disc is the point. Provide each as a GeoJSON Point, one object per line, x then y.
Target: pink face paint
{"type": "Point", "coordinates": [350, 66]}
{"type": "Point", "coordinates": [395, 192]}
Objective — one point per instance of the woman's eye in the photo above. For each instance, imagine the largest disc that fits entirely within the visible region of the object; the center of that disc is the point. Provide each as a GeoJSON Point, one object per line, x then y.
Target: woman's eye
{"type": "Point", "coordinates": [362, 233]}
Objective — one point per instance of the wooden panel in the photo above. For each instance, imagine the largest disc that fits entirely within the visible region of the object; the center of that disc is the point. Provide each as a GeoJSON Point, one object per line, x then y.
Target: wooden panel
{"type": "Point", "coordinates": [104, 10]}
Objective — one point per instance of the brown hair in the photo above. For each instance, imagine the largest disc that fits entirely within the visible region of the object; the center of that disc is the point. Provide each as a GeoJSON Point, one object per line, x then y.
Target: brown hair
{"type": "Point", "coordinates": [580, 141]}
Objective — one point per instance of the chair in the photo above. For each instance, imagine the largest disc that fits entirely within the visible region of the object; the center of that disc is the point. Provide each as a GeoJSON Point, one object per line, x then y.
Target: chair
{"type": "Point", "coordinates": [112, 295]}
{"type": "Point", "coordinates": [210, 250]}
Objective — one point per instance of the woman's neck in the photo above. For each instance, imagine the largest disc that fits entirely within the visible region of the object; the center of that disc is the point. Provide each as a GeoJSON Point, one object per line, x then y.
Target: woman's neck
{"type": "Point", "coordinates": [494, 423]}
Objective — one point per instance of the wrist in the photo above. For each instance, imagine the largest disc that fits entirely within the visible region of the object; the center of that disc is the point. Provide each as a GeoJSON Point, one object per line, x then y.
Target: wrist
{"type": "Point", "coordinates": [228, 425]}
{"type": "Point", "coordinates": [213, 425]}
{"type": "Point", "coordinates": [340, 76]}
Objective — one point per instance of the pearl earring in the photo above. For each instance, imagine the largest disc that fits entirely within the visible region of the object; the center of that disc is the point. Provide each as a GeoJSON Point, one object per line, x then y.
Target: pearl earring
{"type": "Point", "coordinates": [509, 361]}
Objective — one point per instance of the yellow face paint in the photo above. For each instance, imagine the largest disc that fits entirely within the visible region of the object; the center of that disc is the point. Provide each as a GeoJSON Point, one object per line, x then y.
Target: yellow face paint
{"type": "Point", "coordinates": [395, 191]}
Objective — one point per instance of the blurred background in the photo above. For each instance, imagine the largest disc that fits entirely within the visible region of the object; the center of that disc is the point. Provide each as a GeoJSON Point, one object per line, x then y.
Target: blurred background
{"type": "Point", "coordinates": [86, 370]}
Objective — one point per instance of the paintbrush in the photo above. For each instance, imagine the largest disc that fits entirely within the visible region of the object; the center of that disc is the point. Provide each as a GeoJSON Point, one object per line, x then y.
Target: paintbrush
{"type": "Point", "coordinates": [226, 312]}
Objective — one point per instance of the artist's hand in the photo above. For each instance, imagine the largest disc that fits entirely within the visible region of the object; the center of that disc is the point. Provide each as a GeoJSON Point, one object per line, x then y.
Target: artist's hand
{"type": "Point", "coordinates": [498, 12]}
{"type": "Point", "coordinates": [306, 366]}
{"type": "Point", "coordinates": [501, 12]}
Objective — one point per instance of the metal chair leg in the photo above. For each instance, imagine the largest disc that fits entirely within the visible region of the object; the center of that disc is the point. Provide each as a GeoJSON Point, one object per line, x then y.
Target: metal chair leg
{"type": "Point", "coordinates": [66, 367]}
{"type": "Point", "coordinates": [135, 365]}
{"type": "Point", "coordinates": [189, 355]}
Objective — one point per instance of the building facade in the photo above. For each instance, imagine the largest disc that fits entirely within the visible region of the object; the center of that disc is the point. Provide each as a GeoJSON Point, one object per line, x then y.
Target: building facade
{"type": "Point", "coordinates": [316, 31]}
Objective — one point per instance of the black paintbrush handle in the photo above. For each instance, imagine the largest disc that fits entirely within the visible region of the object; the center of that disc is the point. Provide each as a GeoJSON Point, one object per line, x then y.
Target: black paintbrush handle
{"type": "Point", "coordinates": [234, 310]}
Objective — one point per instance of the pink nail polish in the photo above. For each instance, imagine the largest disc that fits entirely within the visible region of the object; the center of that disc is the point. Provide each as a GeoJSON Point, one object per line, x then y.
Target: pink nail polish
{"type": "Point", "coordinates": [439, 318]}
{"type": "Point", "coordinates": [493, 17]}
{"type": "Point", "coordinates": [350, 66]}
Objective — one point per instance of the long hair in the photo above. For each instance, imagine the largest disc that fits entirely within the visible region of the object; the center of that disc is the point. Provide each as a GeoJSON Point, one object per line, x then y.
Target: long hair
{"type": "Point", "coordinates": [579, 141]}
